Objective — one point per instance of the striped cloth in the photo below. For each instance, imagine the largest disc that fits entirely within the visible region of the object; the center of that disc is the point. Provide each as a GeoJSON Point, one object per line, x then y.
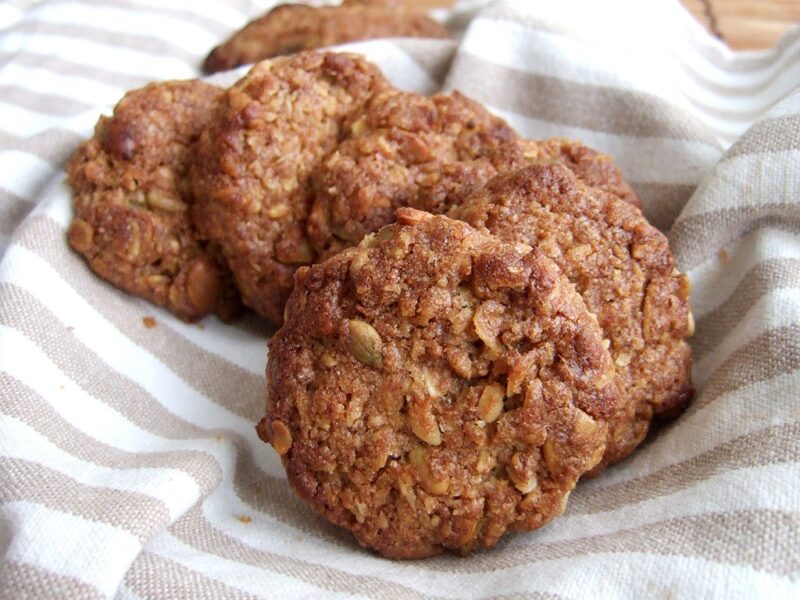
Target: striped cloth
{"type": "Point", "coordinates": [129, 465]}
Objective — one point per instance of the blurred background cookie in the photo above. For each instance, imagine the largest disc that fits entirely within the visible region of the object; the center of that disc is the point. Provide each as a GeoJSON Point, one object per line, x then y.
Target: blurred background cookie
{"type": "Point", "coordinates": [290, 28]}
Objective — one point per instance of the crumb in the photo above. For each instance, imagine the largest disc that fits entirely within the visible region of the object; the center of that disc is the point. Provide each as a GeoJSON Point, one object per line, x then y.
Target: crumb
{"type": "Point", "coordinates": [724, 256]}
{"type": "Point", "coordinates": [149, 322]}
{"type": "Point", "coordinates": [70, 328]}
{"type": "Point", "coordinates": [245, 519]}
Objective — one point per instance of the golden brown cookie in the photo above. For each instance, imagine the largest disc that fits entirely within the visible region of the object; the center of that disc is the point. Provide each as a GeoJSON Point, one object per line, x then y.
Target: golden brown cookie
{"type": "Point", "coordinates": [405, 149]}
{"type": "Point", "coordinates": [252, 177]}
{"type": "Point", "coordinates": [132, 200]}
{"type": "Point", "coordinates": [290, 28]}
{"type": "Point", "coordinates": [384, 3]}
{"type": "Point", "coordinates": [623, 269]}
{"type": "Point", "coordinates": [434, 387]}
{"type": "Point", "coordinates": [590, 166]}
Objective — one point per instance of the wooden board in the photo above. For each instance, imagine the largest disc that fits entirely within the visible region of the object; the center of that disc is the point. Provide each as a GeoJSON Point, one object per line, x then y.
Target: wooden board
{"type": "Point", "coordinates": [746, 24]}
{"type": "Point", "coordinates": [742, 24]}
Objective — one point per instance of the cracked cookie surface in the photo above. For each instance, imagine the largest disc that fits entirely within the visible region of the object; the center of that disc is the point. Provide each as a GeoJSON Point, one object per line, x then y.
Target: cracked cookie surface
{"type": "Point", "coordinates": [623, 269]}
{"type": "Point", "coordinates": [434, 387]}
{"type": "Point", "coordinates": [131, 200]}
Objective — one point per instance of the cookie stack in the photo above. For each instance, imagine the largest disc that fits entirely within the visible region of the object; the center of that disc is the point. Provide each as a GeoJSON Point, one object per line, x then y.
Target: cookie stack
{"type": "Point", "coordinates": [470, 321]}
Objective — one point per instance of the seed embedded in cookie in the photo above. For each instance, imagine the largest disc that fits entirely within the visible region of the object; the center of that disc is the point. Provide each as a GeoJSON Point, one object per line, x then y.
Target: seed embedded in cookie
{"type": "Point", "coordinates": [131, 200]}
{"type": "Point", "coordinates": [252, 176]}
{"type": "Point", "coordinates": [623, 269]}
{"type": "Point", "coordinates": [290, 28]}
{"type": "Point", "coordinates": [406, 427]}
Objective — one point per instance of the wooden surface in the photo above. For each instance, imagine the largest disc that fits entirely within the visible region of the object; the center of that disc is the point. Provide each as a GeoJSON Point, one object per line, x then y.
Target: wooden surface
{"type": "Point", "coordinates": [742, 24]}
{"type": "Point", "coordinates": [746, 24]}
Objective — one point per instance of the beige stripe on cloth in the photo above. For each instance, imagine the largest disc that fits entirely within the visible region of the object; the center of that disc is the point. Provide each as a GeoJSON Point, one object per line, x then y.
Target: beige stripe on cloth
{"type": "Point", "coordinates": [573, 103]}
{"type": "Point", "coordinates": [12, 210]}
{"type": "Point", "coordinates": [52, 145]}
{"type": "Point", "coordinates": [194, 530]}
{"type": "Point", "coordinates": [21, 580]}
{"type": "Point", "coordinates": [33, 410]}
{"type": "Point", "coordinates": [765, 277]}
{"type": "Point", "coordinates": [152, 576]}
{"type": "Point", "coordinates": [770, 135]}
{"type": "Point", "coordinates": [771, 445]}
{"type": "Point", "coordinates": [43, 103]}
{"type": "Point", "coordinates": [58, 65]}
{"type": "Point", "coordinates": [765, 358]}
{"type": "Point", "coordinates": [32, 482]}
{"type": "Point", "coordinates": [141, 42]}
{"type": "Point", "coordinates": [109, 410]}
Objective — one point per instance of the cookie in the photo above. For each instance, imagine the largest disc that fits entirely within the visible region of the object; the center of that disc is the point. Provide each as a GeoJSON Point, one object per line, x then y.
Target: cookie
{"type": "Point", "coordinates": [405, 149]}
{"type": "Point", "coordinates": [590, 166]}
{"type": "Point", "coordinates": [434, 387]}
{"type": "Point", "coordinates": [252, 176]}
{"type": "Point", "coordinates": [290, 28]}
{"type": "Point", "coordinates": [623, 269]}
{"type": "Point", "coordinates": [131, 200]}
{"type": "Point", "coordinates": [385, 3]}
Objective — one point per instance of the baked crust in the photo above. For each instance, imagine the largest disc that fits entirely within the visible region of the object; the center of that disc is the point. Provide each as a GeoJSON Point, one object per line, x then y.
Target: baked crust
{"type": "Point", "coordinates": [594, 168]}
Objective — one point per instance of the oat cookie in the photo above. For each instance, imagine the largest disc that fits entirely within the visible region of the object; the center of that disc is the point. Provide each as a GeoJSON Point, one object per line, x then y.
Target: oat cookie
{"type": "Point", "coordinates": [405, 149]}
{"type": "Point", "coordinates": [623, 269]}
{"type": "Point", "coordinates": [252, 174]}
{"type": "Point", "coordinates": [131, 201]}
{"type": "Point", "coordinates": [290, 28]}
{"type": "Point", "coordinates": [434, 387]}
{"type": "Point", "coordinates": [590, 166]}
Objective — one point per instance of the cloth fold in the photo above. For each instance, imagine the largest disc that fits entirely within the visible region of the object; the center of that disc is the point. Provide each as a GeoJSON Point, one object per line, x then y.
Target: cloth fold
{"type": "Point", "coordinates": [129, 463]}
